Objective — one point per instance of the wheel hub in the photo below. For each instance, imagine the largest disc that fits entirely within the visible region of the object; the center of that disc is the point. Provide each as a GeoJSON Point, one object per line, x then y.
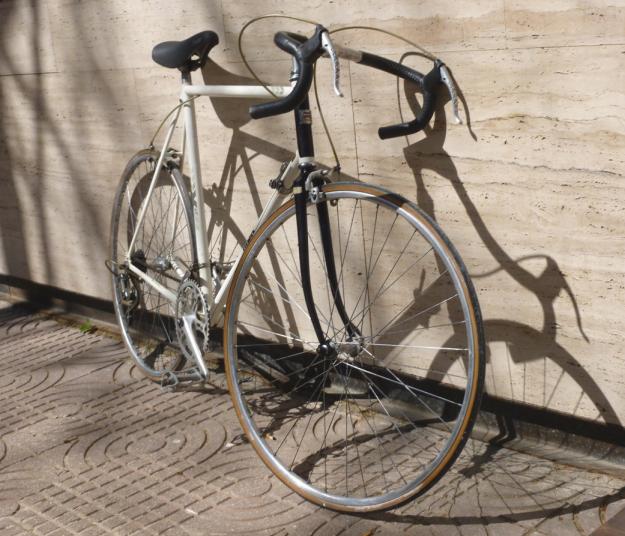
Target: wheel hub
{"type": "Point", "coordinates": [351, 348]}
{"type": "Point", "coordinates": [161, 264]}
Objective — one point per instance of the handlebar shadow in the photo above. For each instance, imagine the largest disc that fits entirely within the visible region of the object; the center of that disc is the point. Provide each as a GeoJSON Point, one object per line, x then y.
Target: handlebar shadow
{"type": "Point", "coordinates": [525, 344]}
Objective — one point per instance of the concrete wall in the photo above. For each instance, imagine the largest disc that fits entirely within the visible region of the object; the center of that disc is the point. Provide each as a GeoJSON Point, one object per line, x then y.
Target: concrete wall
{"type": "Point", "coordinates": [532, 191]}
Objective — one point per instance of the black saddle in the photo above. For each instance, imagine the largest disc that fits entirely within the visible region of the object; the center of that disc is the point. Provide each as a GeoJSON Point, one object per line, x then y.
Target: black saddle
{"type": "Point", "coordinates": [180, 54]}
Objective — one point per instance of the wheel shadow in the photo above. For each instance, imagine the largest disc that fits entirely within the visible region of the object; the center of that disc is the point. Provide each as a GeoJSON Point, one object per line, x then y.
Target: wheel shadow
{"type": "Point", "coordinates": [525, 344]}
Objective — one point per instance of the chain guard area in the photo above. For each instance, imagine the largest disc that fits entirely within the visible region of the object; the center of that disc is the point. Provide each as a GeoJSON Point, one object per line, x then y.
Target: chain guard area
{"type": "Point", "coordinates": [191, 301]}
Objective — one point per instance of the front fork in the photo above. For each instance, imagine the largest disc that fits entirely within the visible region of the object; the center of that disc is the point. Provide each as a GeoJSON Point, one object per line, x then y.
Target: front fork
{"type": "Point", "coordinates": [301, 200]}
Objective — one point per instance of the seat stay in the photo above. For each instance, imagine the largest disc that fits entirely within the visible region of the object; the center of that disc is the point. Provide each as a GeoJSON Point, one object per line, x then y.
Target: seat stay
{"type": "Point", "coordinates": [157, 170]}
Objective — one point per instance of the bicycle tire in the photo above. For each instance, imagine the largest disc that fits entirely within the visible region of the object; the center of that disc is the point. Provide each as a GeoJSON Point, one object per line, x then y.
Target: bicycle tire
{"type": "Point", "coordinates": [326, 427]}
{"type": "Point", "coordinates": [146, 319]}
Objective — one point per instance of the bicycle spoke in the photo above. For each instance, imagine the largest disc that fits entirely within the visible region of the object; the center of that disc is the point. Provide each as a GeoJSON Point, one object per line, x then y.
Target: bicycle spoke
{"type": "Point", "coordinates": [342, 258]}
{"type": "Point", "coordinates": [240, 322]}
{"type": "Point", "coordinates": [412, 390]}
{"type": "Point", "coordinates": [446, 348]}
{"type": "Point", "coordinates": [416, 315]}
{"type": "Point", "coordinates": [290, 301]}
{"type": "Point", "coordinates": [383, 290]}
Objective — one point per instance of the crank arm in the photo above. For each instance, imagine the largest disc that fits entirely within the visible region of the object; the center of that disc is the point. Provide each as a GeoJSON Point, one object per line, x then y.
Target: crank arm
{"type": "Point", "coordinates": [187, 326]}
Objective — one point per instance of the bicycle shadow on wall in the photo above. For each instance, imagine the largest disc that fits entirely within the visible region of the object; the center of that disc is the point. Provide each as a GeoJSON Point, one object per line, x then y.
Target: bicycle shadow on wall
{"type": "Point", "coordinates": [488, 468]}
{"type": "Point", "coordinates": [225, 237]}
{"type": "Point", "coordinates": [219, 197]}
{"type": "Point", "coordinates": [524, 344]}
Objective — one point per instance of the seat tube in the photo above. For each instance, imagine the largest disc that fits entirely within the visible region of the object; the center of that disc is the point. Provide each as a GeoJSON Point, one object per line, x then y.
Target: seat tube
{"type": "Point", "coordinates": [197, 198]}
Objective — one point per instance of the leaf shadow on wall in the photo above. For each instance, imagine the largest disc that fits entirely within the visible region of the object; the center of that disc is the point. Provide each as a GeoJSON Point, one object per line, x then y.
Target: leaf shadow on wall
{"type": "Point", "coordinates": [47, 157]}
{"type": "Point", "coordinates": [12, 229]}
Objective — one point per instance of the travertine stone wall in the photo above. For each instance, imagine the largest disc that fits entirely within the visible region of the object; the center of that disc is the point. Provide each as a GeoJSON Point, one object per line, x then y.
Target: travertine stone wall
{"type": "Point", "coordinates": [531, 189]}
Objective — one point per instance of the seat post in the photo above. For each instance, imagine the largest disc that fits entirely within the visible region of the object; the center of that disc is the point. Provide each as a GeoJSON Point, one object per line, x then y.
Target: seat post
{"type": "Point", "coordinates": [186, 77]}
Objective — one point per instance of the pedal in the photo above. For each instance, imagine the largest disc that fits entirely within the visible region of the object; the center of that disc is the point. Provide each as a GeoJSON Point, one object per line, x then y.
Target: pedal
{"type": "Point", "coordinates": [171, 381]}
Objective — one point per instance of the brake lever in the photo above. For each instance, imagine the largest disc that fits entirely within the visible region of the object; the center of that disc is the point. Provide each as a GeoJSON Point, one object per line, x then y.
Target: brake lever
{"type": "Point", "coordinates": [326, 44]}
{"type": "Point", "coordinates": [448, 81]}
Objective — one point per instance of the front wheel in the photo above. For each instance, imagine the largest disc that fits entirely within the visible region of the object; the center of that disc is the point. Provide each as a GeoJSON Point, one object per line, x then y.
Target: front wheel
{"type": "Point", "coordinates": [382, 416]}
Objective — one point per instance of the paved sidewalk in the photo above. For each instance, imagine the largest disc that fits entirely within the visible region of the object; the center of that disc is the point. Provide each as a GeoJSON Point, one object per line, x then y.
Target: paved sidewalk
{"type": "Point", "coordinates": [87, 446]}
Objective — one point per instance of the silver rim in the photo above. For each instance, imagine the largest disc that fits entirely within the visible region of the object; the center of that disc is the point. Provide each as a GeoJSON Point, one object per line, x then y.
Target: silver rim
{"type": "Point", "coordinates": [146, 318]}
{"type": "Point", "coordinates": [385, 418]}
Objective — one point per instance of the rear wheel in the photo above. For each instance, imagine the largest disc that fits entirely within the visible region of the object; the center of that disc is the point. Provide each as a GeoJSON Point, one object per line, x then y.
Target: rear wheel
{"type": "Point", "coordinates": [384, 414]}
{"type": "Point", "coordinates": [164, 251]}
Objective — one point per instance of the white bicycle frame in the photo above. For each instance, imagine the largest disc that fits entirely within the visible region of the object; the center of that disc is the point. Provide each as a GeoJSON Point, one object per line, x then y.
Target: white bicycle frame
{"type": "Point", "coordinates": [187, 97]}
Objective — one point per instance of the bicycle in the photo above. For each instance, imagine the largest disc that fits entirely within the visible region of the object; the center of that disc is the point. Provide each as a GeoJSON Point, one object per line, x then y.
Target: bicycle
{"type": "Point", "coordinates": [352, 335]}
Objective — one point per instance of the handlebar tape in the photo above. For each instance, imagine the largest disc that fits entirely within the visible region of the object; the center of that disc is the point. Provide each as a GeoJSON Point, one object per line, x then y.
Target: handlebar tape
{"type": "Point", "coordinates": [306, 52]}
{"type": "Point", "coordinates": [428, 84]}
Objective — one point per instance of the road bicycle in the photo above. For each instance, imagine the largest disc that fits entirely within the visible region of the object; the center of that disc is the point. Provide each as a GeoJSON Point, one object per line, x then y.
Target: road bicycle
{"type": "Point", "coordinates": [351, 332]}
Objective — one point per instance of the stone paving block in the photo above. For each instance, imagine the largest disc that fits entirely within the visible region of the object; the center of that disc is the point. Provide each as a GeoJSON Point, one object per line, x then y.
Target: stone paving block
{"type": "Point", "coordinates": [87, 446]}
{"type": "Point", "coordinates": [610, 508]}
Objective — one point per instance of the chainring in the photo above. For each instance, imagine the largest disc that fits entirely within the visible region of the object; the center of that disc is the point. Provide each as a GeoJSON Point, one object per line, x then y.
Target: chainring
{"type": "Point", "coordinates": [191, 301]}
